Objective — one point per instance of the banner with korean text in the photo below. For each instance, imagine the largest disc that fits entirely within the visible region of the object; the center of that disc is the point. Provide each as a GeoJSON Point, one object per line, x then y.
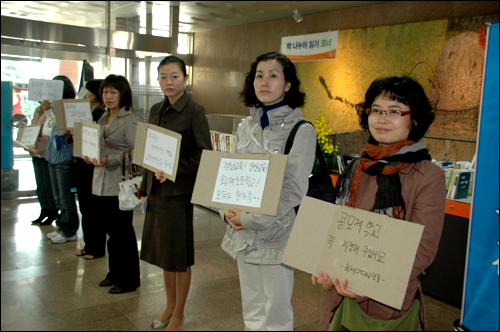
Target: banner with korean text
{"type": "Point", "coordinates": [317, 46]}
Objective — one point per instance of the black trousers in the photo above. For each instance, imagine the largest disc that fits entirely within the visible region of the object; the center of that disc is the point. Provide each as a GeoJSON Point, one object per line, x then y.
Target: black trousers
{"type": "Point", "coordinates": [43, 184]}
{"type": "Point", "coordinates": [123, 255]}
{"type": "Point", "coordinates": [94, 233]}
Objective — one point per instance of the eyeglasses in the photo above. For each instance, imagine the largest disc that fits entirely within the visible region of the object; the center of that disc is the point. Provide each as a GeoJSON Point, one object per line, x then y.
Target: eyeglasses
{"type": "Point", "coordinates": [393, 114]}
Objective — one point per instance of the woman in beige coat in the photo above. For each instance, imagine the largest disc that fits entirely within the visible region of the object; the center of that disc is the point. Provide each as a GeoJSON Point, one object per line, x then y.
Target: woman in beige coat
{"type": "Point", "coordinates": [118, 127]}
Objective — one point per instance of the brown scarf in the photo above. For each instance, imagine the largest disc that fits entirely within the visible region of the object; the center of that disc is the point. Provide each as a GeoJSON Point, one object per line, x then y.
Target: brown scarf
{"type": "Point", "coordinates": [385, 162]}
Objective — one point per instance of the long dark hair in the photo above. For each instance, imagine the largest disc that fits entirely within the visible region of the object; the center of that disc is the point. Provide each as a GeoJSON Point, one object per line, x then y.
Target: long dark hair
{"type": "Point", "coordinates": [68, 89]}
{"type": "Point", "coordinates": [294, 97]}
{"type": "Point", "coordinates": [405, 90]}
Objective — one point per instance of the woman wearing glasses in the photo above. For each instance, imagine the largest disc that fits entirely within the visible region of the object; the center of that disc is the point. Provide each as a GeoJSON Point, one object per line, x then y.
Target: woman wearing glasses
{"type": "Point", "coordinates": [393, 176]}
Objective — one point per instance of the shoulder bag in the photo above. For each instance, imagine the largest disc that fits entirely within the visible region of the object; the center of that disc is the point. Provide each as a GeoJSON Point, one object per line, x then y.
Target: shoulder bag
{"type": "Point", "coordinates": [129, 196]}
{"type": "Point", "coordinates": [320, 184]}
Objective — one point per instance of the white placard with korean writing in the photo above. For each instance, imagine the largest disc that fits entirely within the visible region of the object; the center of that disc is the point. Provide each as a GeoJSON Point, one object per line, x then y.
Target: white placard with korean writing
{"type": "Point", "coordinates": [373, 252]}
{"type": "Point", "coordinates": [90, 142]}
{"type": "Point", "coordinates": [160, 151]}
{"type": "Point", "coordinates": [30, 135]}
{"type": "Point", "coordinates": [317, 46]}
{"type": "Point", "coordinates": [39, 90]}
{"type": "Point", "coordinates": [86, 140]}
{"type": "Point", "coordinates": [77, 112]}
{"type": "Point", "coordinates": [241, 182]}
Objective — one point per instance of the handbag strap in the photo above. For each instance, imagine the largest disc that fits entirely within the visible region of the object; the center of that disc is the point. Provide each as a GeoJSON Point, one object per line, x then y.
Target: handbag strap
{"type": "Point", "coordinates": [123, 166]}
{"type": "Point", "coordinates": [133, 169]}
{"type": "Point", "coordinates": [319, 153]}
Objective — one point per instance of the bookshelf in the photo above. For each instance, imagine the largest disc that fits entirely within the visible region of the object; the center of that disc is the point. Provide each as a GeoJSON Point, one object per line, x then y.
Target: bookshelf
{"type": "Point", "coordinates": [223, 128]}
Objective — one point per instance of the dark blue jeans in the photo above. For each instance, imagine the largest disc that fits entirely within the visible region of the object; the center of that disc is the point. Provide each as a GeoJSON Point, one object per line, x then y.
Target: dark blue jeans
{"type": "Point", "coordinates": [68, 221]}
{"type": "Point", "coordinates": [44, 184]}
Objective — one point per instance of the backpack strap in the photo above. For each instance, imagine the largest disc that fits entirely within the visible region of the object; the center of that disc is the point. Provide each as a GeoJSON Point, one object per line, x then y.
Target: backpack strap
{"type": "Point", "coordinates": [319, 153]}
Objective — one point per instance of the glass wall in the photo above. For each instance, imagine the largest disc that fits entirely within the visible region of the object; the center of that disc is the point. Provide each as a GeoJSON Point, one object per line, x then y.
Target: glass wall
{"type": "Point", "coordinates": [37, 55]}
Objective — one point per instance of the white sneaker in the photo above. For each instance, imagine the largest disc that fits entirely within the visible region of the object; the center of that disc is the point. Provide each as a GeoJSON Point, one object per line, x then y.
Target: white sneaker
{"type": "Point", "coordinates": [62, 239]}
{"type": "Point", "coordinates": [53, 234]}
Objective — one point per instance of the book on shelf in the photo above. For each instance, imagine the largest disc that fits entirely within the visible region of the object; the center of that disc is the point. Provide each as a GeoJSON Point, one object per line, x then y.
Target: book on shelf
{"type": "Point", "coordinates": [221, 141]}
{"type": "Point", "coordinates": [459, 186]}
{"type": "Point", "coordinates": [448, 174]}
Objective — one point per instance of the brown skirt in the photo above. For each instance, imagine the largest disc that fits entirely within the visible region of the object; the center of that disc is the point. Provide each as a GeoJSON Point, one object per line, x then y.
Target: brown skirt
{"type": "Point", "coordinates": [167, 238]}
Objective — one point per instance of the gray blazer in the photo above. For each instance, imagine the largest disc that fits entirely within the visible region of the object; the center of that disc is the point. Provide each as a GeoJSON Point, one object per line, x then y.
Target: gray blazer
{"type": "Point", "coordinates": [117, 138]}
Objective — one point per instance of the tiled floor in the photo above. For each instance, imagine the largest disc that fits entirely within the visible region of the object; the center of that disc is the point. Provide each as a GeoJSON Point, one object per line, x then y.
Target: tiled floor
{"type": "Point", "coordinates": [46, 287]}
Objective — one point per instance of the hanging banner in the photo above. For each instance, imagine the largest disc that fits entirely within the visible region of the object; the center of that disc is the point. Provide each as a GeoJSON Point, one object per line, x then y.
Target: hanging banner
{"type": "Point", "coordinates": [317, 46]}
{"type": "Point", "coordinates": [480, 300]}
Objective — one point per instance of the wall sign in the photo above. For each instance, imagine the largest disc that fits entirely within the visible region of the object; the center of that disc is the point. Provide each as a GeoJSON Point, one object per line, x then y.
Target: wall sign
{"type": "Point", "coordinates": [317, 46]}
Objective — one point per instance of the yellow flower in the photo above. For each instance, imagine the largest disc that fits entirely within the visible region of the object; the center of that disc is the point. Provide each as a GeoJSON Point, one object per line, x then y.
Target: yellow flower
{"type": "Point", "coordinates": [322, 132]}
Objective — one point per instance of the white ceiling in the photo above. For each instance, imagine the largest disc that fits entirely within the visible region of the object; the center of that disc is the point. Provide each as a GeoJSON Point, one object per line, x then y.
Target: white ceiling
{"type": "Point", "coordinates": [194, 15]}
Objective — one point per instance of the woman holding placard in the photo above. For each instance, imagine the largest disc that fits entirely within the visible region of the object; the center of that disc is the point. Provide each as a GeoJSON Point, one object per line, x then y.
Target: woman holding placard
{"type": "Point", "coordinates": [167, 239]}
{"type": "Point", "coordinates": [394, 176]}
{"type": "Point", "coordinates": [59, 154]}
{"type": "Point", "coordinates": [118, 127]}
{"type": "Point", "coordinates": [49, 210]}
{"type": "Point", "coordinates": [257, 241]}
{"type": "Point", "coordinates": [93, 234]}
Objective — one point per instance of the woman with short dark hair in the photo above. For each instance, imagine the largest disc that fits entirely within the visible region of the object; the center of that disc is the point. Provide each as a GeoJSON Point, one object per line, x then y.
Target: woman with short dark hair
{"type": "Point", "coordinates": [394, 176]}
{"type": "Point", "coordinates": [118, 128]}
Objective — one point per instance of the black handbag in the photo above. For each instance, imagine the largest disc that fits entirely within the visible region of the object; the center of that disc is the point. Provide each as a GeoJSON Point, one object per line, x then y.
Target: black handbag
{"type": "Point", "coordinates": [320, 184]}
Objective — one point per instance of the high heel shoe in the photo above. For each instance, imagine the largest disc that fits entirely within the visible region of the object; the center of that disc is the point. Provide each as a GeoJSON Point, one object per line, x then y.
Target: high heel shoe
{"type": "Point", "coordinates": [157, 324]}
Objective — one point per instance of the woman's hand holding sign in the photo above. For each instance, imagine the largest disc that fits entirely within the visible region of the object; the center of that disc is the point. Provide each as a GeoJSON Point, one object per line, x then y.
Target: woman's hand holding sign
{"type": "Point", "coordinates": [159, 176]}
{"type": "Point", "coordinates": [100, 163]}
{"type": "Point", "coordinates": [327, 283]}
{"type": "Point", "coordinates": [233, 218]}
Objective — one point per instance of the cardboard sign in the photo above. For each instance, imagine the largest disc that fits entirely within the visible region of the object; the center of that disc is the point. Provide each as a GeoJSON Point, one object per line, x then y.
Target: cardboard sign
{"type": "Point", "coordinates": [39, 90]}
{"type": "Point", "coordinates": [157, 149]}
{"type": "Point", "coordinates": [86, 140]}
{"type": "Point", "coordinates": [28, 135]}
{"type": "Point", "coordinates": [373, 252]}
{"type": "Point", "coordinates": [249, 182]}
{"type": "Point", "coordinates": [69, 111]}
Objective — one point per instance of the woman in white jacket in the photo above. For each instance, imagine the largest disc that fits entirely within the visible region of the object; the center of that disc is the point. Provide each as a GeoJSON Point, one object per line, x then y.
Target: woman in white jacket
{"type": "Point", "coordinates": [257, 241]}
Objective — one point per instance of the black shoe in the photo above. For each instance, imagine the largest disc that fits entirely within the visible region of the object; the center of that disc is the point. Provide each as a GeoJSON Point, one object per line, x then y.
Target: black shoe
{"type": "Point", "coordinates": [52, 215]}
{"type": "Point", "coordinates": [44, 213]}
{"type": "Point", "coordinates": [118, 290]}
{"type": "Point", "coordinates": [106, 283]}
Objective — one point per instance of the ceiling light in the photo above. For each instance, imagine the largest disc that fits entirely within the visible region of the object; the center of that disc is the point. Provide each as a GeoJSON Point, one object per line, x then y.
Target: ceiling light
{"type": "Point", "coordinates": [297, 16]}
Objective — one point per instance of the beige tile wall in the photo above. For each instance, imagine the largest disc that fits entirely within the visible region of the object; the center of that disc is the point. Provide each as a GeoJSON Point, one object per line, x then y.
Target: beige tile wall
{"type": "Point", "coordinates": [223, 56]}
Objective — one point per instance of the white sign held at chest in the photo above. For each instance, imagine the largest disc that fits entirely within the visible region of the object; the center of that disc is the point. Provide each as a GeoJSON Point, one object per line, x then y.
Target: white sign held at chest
{"type": "Point", "coordinates": [77, 112]}
{"type": "Point", "coordinates": [90, 142]}
{"type": "Point", "coordinates": [157, 149]}
{"type": "Point", "coordinates": [160, 151]}
{"type": "Point", "coordinates": [29, 135]}
{"type": "Point", "coordinates": [69, 111]}
{"type": "Point", "coordinates": [86, 140]}
{"type": "Point", "coordinates": [241, 182]}
{"type": "Point", "coordinates": [249, 182]}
